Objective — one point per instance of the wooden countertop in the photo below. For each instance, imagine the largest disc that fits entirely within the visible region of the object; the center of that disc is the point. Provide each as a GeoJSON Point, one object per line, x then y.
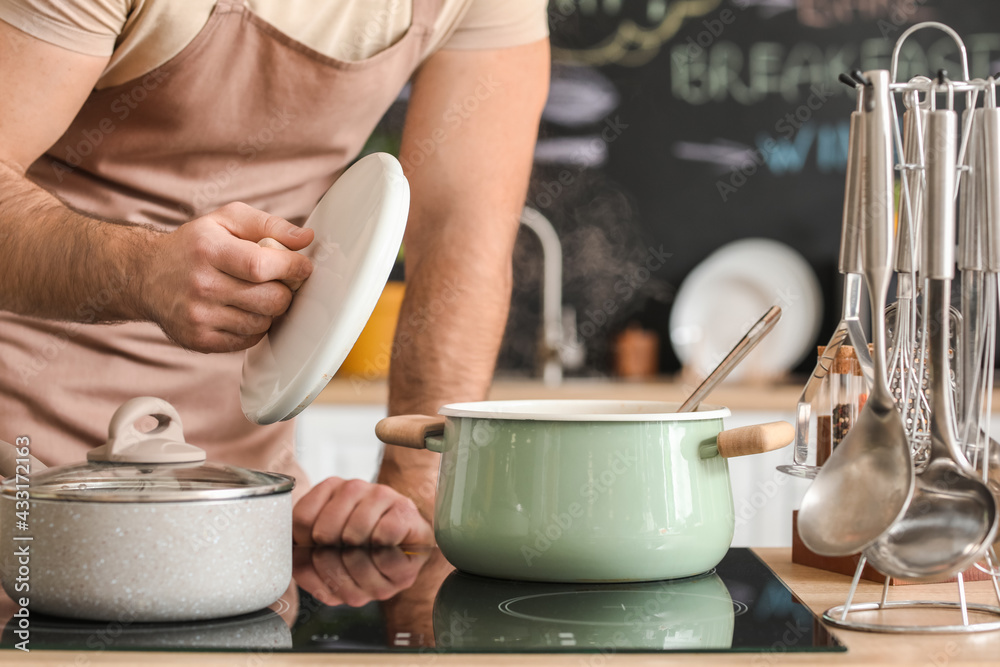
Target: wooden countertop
{"type": "Point", "coordinates": [356, 390]}
{"type": "Point", "coordinates": [819, 590]}
{"type": "Point", "coordinates": [736, 396]}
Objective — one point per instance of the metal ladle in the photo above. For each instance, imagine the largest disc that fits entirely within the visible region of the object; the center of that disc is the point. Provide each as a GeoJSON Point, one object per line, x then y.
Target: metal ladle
{"type": "Point", "coordinates": [952, 519]}
{"type": "Point", "coordinates": [985, 454]}
{"type": "Point", "coordinates": [739, 352]}
{"type": "Point", "coordinates": [867, 482]}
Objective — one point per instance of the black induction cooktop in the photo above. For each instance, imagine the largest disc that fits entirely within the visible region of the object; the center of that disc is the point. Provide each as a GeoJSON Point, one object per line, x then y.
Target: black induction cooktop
{"type": "Point", "coordinates": [413, 601]}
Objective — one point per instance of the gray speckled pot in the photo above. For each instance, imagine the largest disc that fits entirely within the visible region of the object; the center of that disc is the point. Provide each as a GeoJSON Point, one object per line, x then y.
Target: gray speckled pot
{"type": "Point", "coordinates": [140, 562]}
{"type": "Point", "coordinates": [145, 531]}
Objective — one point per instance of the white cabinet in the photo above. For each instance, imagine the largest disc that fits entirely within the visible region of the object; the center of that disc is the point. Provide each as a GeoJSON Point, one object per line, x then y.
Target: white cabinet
{"type": "Point", "coordinates": [763, 497]}
{"type": "Point", "coordinates": [339, 440]}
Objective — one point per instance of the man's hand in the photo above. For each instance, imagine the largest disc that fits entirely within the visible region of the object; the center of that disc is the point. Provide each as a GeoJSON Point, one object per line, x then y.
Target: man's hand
{"type": "Point", "coordinates": [355, 577]}
{"type": "Point", "coordinates": [211, 288]}
{"type": "Point", "coordinates": [357, 513]}
{"type": "Point", "coordinates": [208, 285]}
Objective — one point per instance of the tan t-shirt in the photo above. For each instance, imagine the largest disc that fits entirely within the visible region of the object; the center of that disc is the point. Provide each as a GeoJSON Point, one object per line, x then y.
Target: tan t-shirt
{"type": "Point", "coordinates": [141, 35]}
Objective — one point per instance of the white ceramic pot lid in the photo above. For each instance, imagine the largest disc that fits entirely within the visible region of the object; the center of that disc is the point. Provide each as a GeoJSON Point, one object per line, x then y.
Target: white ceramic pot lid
{"type": "Point", "coordinates": [359, 226]}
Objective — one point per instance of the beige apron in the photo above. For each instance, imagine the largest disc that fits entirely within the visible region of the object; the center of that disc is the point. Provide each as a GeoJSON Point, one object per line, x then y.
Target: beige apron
{"type": "Point", "coordinates": [243, 113]}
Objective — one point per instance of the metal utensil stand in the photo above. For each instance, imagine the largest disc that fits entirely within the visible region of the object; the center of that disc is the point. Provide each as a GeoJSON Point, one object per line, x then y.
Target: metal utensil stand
{"type": "Point", "coordinates": [973, 332]}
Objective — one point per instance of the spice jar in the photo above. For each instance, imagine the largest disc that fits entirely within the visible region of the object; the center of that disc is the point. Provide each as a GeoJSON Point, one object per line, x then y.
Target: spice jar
{"type": "Point", "coordinates": [847, 395]}
{"type": "Point", "coordinates": [847, 392]}
{"type": "Point", "coordinates": [636, 353]}
{"type": "Point", "coordinates": [824, 414]}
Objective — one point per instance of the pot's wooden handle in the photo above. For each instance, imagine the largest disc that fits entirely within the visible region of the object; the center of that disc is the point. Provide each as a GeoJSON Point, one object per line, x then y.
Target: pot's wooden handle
{"type": "Point", "coordinates": [755, 439]}
{"type": "Point", "coordinates": [409, 430]}
{"type": "Point", "coordinates": [268, 242]}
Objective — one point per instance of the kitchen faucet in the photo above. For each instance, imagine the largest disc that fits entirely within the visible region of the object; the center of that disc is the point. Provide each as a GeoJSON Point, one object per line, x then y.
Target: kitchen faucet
{"type": "Point", "coordinates": [559, 345]}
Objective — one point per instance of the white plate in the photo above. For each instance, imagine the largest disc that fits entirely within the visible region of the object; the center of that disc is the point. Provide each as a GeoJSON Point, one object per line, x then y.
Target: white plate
{"type": "Point", "coordinates": [359, 225]}
{"type": "Point", "coordinates": [729, 291]}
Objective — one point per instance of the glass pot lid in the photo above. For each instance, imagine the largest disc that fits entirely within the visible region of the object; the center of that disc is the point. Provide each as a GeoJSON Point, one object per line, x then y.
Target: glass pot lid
{"type": "Point", "coordinates": [153, 466]}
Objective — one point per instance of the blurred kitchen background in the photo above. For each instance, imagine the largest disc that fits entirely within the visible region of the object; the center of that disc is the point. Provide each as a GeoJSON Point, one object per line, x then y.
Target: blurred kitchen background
{"type": "Point", "coordinates": [674, 128]}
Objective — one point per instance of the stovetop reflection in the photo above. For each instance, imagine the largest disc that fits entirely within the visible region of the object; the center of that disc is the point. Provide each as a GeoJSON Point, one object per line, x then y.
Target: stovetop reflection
{"type": "Point", "coordinates": [413, 601]}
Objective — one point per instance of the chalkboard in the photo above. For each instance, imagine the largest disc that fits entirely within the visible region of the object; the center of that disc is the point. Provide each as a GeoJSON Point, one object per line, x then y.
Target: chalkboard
{"type": "Point", "coordinates": [682, 125]}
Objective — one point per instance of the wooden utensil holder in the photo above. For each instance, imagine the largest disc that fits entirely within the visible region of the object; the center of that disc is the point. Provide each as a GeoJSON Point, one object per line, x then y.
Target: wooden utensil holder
{"type": "Point", "coordinates": [846, 565]}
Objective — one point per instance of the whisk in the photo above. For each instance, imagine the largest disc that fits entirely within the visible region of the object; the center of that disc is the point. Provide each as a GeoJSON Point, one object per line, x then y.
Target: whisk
{"type": "Point", "coordinates": [907, 369]}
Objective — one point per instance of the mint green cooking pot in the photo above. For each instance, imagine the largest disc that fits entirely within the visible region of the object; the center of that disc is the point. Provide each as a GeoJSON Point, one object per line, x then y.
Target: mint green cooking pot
{"type": "Point", "coordinates": [582, 490]}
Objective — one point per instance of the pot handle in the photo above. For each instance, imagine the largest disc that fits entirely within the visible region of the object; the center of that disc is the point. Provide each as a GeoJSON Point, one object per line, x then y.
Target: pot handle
{"type": "Point", "coordinates": [414, 431]}
{"type": "Point", "coordinates": [164, 444]}
{"type": "Point", "coordinates": [9, 457]}
{"type": "Point", "coordinates": [746, 440]}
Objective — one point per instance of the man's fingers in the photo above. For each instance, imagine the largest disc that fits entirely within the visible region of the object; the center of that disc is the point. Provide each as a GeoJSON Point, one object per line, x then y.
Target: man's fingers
{"type": "Point", "coordinates": [251, 224]}
{"type": "Point", "coordinates": [402, 524]}
{"type": "Point", "coordinates": [268, 242]}
{"type": "Point", "coordinates": [213, 289]}
{"type": "Point", "coordinates": [241, 323]}
{"type": "Point", "coordinates": [331, 566]}
{"type": "Point", "coordinates": [247, 260]}
{"type": "Point", "coordinates": [357, 513]}
{"type": "Point", "coordinates": [317, 579]}
{"type": "Point", "coordinates": [361, 567]}
{"type": "Point", "coordinates": [269, 299]}
{"type": "Point", "coordinates": [329, 522]}
{"type": "Point", "coordinates": [308, 508]}
{"type": "Point", "coordinates": [399, 566]}
{"type": "Point", "coordinates": [356, 576]}
{"type": "Point", "coordinates": [360, 525]}
{"type": "Point", "coordinates": [221, 341]}
{"type": "Point", "coordinates": [253, 263]}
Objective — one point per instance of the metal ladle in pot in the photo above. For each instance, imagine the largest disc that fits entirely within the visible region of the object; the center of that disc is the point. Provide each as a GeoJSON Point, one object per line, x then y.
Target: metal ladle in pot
{"type": "Point", "coordinates": [867, 482]}
{"type": "Point", "coordinates": [761, 328]}
{"type": "Point", "coordinates": [952, 519]}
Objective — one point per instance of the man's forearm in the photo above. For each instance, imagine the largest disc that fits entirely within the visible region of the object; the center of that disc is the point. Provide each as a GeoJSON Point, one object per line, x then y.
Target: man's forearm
{"type": "Point", "coordinates": [59, 264]}
{"type": "Point", "coordinates": [447, 339]}
{"type": "Point", "coordinates": [468, 166]}
{"type": "Point", "coordinates": [451, 325]}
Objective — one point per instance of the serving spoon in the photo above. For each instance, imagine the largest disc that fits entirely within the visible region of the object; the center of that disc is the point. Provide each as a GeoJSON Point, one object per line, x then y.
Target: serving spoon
{"type": "Point", "coordinates": [867, 482]}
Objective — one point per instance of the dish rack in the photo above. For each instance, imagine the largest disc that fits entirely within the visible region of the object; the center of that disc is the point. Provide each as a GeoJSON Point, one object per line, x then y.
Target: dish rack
{"type": "Point", "coordinates": [972, 327]}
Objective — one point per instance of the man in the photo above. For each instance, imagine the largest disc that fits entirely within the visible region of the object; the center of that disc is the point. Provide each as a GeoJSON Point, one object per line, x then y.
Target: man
{"type": "Point", "coordinates": [127, 130]}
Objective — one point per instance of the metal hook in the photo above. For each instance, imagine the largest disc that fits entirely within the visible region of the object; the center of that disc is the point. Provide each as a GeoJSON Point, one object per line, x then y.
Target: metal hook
{"type": "Point", "coordinates": [929, 24]}
{"type": "Point", "coordinates": [949, 87]}
{"type": "Point", "coordinates": [943, 84]}
{"type": "Point", "coordinates": [856, 85]}
{"type": "Point", "coordinates": [911, 98]}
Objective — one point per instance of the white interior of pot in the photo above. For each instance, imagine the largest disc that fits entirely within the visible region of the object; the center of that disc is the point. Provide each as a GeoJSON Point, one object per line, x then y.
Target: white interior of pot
{"type": "Point", "coordinates": [582, 410]}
